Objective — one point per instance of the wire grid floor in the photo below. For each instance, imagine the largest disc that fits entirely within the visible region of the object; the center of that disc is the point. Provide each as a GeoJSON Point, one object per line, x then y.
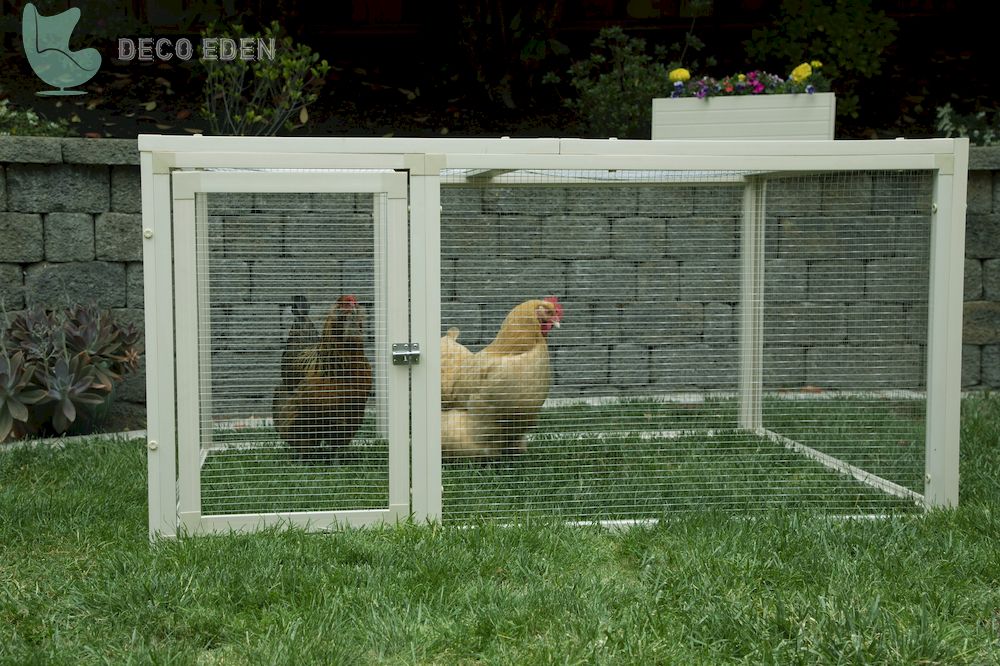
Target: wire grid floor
{"type": "Point", "coordinates": [684, 458]}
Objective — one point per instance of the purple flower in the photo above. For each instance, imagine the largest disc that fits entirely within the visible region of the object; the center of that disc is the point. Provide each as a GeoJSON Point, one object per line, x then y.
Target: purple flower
{"type": "Point", "coordinates": [810, 89]}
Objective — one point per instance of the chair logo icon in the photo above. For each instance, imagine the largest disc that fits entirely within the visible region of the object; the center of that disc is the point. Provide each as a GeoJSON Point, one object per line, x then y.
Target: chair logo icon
{"type": "Point", "coordinates": [46, 43]}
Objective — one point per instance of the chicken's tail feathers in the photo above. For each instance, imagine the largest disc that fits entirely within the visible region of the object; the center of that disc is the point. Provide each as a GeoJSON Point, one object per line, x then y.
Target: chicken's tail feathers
{"type": "Point", "coordinates": [453, 333]}
{"type": "Point", "coordinates": [300, 306]}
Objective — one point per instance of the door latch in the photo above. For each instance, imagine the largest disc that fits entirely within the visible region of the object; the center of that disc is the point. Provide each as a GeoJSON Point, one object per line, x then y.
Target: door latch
{"type": "Point", "coordinates": [405, 353]}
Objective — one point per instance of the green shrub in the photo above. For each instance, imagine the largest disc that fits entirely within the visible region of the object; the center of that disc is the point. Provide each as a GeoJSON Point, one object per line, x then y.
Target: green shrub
{"type": "Point", "coordinates": [25, 122]}
{"type": "Point", "coordinates": [505, 45]}
{"type": "Point", "coordinates": [677, 54]}
{"type": "Point", "coordinates": [615, 86]}
{"type": "Point", "coordinates": [981, 128]}
{"type": "Point", "coordinates": [260, 97]}
{"type": "Point", "coordinates": [848, 36]}
{"type": "Point", "coordinates": [58, 369]}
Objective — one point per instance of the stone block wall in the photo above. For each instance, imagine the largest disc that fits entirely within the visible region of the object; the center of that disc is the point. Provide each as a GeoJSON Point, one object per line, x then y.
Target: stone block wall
{"type": "Point", "coordinates": [650, 277]}
{"type": "Point", "coordinates": [70, 228]}
{"type": "Point", "coordinates": [981, 324]}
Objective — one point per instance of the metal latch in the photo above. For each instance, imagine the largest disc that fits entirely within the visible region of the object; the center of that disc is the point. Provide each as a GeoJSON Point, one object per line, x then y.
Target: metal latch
{"type": "Point", "coordinates": [405, 353]}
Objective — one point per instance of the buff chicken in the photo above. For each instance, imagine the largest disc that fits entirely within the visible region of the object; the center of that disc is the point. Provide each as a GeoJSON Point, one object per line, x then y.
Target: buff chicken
{"type": "Point", "coordinates": [490, 400]}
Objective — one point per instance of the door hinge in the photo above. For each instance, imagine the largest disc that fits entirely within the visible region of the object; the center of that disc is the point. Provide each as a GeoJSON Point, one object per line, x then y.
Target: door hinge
{"type": "Point", "coordinates": [405, 353]}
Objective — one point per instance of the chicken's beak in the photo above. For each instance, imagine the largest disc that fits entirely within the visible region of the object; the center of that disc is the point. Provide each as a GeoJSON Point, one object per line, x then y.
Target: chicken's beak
{"type": "Point", "coordinates": [555, 323]}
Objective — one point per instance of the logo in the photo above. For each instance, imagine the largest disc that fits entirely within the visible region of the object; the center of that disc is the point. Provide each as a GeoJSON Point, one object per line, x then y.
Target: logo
{"type": "Point", "coordinates": [212, 48]}
{"type": "Point", "coordinates": [46, 43]}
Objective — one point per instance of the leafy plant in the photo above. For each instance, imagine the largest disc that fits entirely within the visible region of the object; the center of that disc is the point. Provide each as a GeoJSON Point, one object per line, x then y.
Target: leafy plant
{"type": "Point", "coordinates": [58, 368]}
{"type": "Point", "coordinates": [615, 86]}
{"type": "Point", "coordinates": [260, 97]}
{"type": "Point", "coordinates": [506, 43]}
{"type": "Point", "coordinates": [677, 54]}
{"type": "Point", "coordinates": [981, 128]}
{"type": "Point", "coordinates": [25, 122]}
{"type": "Point", "coordinates": [848, 35]}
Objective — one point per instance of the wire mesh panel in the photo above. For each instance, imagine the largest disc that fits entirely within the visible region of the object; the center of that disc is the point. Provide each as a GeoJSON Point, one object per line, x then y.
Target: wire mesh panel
{"type": "Point", "coordinates": [291, 389]}
{"type": "Point", "coordinates": [633, 406]}
{"type": "Point", "coordinates": [845, 320]}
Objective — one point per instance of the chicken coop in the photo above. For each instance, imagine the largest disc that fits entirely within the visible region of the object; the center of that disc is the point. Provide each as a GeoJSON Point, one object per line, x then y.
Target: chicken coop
{"type": "Point", "coordinates": [346, 331]}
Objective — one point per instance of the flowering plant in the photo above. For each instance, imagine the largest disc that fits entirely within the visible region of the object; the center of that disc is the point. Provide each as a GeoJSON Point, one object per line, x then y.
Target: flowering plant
{"type": "Point", "coordinates": [806, 78]}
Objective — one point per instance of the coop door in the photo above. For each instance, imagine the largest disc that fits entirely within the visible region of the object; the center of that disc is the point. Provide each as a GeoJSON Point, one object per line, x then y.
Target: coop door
{"type": "Point", "coordinates": [291, 288]}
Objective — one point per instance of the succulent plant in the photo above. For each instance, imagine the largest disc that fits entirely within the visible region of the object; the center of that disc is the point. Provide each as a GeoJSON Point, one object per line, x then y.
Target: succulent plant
{"type": "Point", "coordinates": [57, 368]}
{"type": "Point", "coordinates": [72, 384]}
{"type": "Point", "coordinates": [16, 392]}
{"type": "Point", "coordinates": [109, 347]}
{"type": "Point", "coordinates": [37, 333]}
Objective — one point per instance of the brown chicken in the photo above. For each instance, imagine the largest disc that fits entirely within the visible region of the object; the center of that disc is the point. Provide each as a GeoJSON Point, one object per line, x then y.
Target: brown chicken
{"type": "Point", "coordinates": [320, 401]}
{"type": "Point", "coordinates": [302, 336]}
{"type": "Point", "coordinates": [491, 400]}
{"type": "Point", "coordinates": [457, 364]}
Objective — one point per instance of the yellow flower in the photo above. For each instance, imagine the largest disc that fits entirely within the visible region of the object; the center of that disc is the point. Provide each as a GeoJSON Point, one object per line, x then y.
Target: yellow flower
{"type": "Point", "coordinates": [801, 73]}
{"type": "Point", "coordinates": [679, 74]}
{"type": "Point", "coordinates": [816, 64]}
{"type": "Point", "coordinates": [742, 78]}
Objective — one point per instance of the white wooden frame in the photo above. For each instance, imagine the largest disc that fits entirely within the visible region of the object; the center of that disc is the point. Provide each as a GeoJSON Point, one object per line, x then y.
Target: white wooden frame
{"type": "Point", "coordinates": [798, 116]}
{"type": "Point", "coordinates": [189, 313]}
{"type": "Point", "coordinates": [423, 160]}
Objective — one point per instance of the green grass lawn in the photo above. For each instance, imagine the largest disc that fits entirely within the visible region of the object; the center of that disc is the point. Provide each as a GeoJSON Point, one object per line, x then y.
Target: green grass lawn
{"type": "Point", "coordinates": [80, 583]}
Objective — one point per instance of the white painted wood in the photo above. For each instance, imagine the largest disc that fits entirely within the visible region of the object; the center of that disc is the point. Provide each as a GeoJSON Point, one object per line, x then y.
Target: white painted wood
{"type": "Point", "coordinates": [752, 304]}
{"type": "Point", "coordinates": [686, 161]}
{"type": "Point", "coordinates": [944, 340]}
{"type": "Point", "coordinates": [189, 445]}
{"type": "Point", "coordinates": [884, 147]}
{"type": "Point", "coordinates": [159, 351]}
{"type": "Point", "coordinates": [390, 192]}
{"type": "Point", "coordinates": [396, 278]}
{"type": "Point", "coordinates": [204, 320]}
{"type": "Point", "coordinates": [746, 117]}
{"type": "Point", "coordinates": [194, 524]}
{"type": "Point", "coordinates": [263, 152]}
{"type": "Point", "coordinates": [188, 182]}
{"type": "Point", "coordinates": [868, 478]}
{"type": "Point", "coordinates": [425, 218]}
{"type": "Point", "coordinates": [390, 153]}
{"type": "Point", "coordinates": [278, 160]}
{"type": "Point", "coordinates": [380, 266]}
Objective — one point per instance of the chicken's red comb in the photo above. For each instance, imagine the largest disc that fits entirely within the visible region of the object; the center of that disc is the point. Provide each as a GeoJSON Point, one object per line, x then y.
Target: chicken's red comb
{"type": "Point", "coordinates": [348, 300]}
{"type": "Point", "coordinates": [559, 308]}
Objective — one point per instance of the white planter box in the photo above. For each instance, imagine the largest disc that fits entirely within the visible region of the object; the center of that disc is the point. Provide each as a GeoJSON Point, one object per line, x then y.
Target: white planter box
{"type": "Point", "coordinates": [763, 117]}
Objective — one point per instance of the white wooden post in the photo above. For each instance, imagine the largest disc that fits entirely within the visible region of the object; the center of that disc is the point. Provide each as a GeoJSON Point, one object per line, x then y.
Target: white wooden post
{"type": "Point", "coordinates": [186, 337]}
{"type": "Point", "coordinates": [396, 305]}
{"type": "Point", "coordinates": [380, 264]}
{"type": "Point", "coordinates": [944, 339]}
{"type": "Point", "coordinates": [204, 287]}
{"type": "Point", "coordinates": [425, 281]}
{"type": "Point", "coordinates": [159, 344]}
{"type": "Point", "coordinates": [752, 304]}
